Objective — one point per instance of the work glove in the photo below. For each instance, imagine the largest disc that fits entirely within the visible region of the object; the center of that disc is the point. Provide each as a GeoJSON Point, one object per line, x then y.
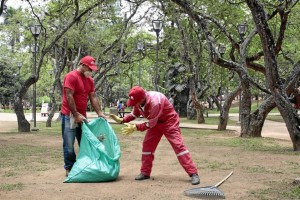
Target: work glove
{"type": "Point", "coordinates": [116, 118]}
{"type": "Point", "coordinates": [129, 129]}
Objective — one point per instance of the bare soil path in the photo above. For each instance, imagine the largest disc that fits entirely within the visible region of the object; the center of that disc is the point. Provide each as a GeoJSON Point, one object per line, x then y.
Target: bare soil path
{"type": "Point", "coordinates": [41, 175]}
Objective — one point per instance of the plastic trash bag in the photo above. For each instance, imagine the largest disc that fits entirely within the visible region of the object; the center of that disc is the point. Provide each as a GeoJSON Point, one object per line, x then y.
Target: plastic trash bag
{"type": "Point", "coordinates": [99, 154]}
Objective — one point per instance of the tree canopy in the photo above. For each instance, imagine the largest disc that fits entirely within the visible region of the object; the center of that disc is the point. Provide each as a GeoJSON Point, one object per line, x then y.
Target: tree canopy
{"type": "Point", "coordinates": [187, 60]}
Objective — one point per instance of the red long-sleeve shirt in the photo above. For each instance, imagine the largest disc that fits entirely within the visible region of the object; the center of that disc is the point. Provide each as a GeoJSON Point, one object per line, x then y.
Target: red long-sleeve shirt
{"type": "Point", "coordinates": [157, 109]}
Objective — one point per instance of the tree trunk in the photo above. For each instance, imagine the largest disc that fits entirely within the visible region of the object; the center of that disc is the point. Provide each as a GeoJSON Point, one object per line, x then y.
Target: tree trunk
{"type": "Point", "coordinates": [191, 111]}
{"type": "Point", "coordinates": [200, 117]}
{"type": "Point", "coordinates": [216, 101]}
{"type": "Point", "coordinates": [224, 113]}
{"type": "Point", "coordinates": [258, 117]}
{"type": "Point", "coordinates": [180, 106]}
{"type": "Point", "coordinates": [51, 114]}
{"type": "Point", "coordinates": [199, 108]}
{"type": "Point", "coordinates": [23, 124]}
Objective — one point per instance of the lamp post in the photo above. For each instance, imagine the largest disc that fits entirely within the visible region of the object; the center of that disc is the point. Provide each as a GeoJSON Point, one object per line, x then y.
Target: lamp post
{"type": "Point", "coordinates": [140, 48]}
{"type": "Point", "coordinates": [157, 26]}
{"type": "Point", "coordinates": [14, 83]}
{"type": "Point", "coordinates": [51, 93]}
{"type": "Point", "coordinates": [35, 31]}
{"type": "Point", "coordinates": [33, 50]}
{"type": "Point", "coordinates": [242, 28]}
{"type": "Point", "coordinates": [52, 90]}
{"type": "Point", "coordinates": [19, 64]}
{"type": "Point", "coordinates": [222, 49]}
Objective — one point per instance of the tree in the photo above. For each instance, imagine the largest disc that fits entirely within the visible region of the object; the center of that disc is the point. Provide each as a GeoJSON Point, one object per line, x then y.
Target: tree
{"type": "Point", "coordinates": [278, 89]}
{"type": "Point", "coordinates": [77, 36]}
{"type": "Point", "coordinates": [276, 86]}
{"type": "Point", "coordinates": [23, 124]}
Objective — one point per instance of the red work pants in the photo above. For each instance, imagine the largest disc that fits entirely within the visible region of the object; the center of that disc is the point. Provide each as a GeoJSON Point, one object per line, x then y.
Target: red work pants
{"type": "Point", "coordinates": [172, 132]}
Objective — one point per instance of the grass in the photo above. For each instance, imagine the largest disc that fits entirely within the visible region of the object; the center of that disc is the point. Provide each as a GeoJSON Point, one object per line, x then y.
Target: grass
{"type": "Point", "coordinates": [246, 144]}
{"type": "Point", "coordinates": [212, 120]}
{"type": "Point", "coordinates": [258, 169]}
{"type": "Point", "coordinates": [14, 155]}
{"type": "Point", "coordinates": [281, 190]}
{"type": "Point", "coordinates": [10, 187]}
{"type": "Point", "coordinates": [9, 174]}
{"type": "Point", "coordinates": [216, 165]}
{"type": "Point", "coordinates": [28, 157]}
{"type": "Point", "coordinates": [275, 118]}
{"type": "Point", "coordinates": [254, 144]}
{"type": "Point", "coordinates": [292, 193]}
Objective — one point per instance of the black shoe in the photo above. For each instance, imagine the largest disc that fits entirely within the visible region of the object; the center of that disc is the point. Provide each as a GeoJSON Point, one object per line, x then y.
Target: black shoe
{"type": "Point", "coordinates": [141, 177]}
{"type": "Point", "coordinates": [195, 179]}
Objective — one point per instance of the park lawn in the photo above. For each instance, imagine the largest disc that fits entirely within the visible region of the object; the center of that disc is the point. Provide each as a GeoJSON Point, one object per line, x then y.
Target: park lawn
{"type": "Point", "coordinates": [263, 168]}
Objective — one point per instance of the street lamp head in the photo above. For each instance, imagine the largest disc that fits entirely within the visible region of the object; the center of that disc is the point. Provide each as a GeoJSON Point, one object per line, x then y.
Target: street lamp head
{"type": "Point", "coordinates": [19, 64]}
{"type": "Point", "coordinates": [242, 28]}
{"type": "Point", "coordinates": [222, 49]}
{"type": "Point", "coordinates": [35, 30]}
{"type": "Point", "coordinates": [157, 25]}
{"type": "Point", "coordinates": [140, 46]}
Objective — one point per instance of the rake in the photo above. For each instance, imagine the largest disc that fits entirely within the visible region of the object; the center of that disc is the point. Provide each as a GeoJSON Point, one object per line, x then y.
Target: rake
{"type": "Point", "coordinates": [296, 181]}
{"type": "Point", "coordinates": [209, 192]}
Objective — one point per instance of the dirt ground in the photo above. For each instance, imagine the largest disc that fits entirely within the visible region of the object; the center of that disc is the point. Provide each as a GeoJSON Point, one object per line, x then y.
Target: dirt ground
{"type": "Point", "coordinates": [257, 174]}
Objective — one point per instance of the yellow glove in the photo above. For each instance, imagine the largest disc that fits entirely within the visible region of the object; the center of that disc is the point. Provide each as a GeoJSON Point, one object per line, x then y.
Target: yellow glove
{"type": "Point", "coordinates": [116, 118]}
{"type": "Point", "coordinates": [129, 129]}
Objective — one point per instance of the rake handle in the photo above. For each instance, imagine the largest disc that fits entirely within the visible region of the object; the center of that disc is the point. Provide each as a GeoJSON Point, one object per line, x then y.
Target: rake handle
{"type": "Point", "coordinates": [222, 181]}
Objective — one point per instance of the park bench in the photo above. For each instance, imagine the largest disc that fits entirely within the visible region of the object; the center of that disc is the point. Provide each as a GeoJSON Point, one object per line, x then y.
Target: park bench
{"type": "Point", "coordinates": [122, 113]}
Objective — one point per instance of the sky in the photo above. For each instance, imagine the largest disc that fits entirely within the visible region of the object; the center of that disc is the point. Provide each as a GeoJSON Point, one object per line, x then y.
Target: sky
{"type": "Point", "coordinates": [17, 3]}
{"type": "Point", "coordinates": [124, 6]}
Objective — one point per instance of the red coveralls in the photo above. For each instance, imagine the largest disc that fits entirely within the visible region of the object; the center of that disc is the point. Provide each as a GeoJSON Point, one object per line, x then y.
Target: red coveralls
{"type": "Point", "coordinates": [162, 120]}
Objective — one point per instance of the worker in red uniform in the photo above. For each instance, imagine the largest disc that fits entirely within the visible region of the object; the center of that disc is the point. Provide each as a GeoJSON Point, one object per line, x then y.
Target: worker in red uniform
{"type": "Point", "coordinates": [162, 120]}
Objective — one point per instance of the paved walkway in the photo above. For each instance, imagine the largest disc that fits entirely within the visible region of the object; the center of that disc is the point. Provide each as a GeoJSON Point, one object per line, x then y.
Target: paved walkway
{"type": "Point", "coordinates": [271, 129]}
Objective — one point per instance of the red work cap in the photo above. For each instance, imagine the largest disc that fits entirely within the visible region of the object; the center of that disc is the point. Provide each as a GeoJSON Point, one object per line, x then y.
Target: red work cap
{"type": "Point", "coordinates": [136, 94]}
{"type": "Point", "coordinates": [90, 62]}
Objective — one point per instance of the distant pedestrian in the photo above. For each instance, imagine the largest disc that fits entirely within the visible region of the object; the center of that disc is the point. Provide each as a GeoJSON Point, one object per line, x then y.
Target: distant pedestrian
{"type": "Point", "coordinates": [172, 99]}
{"type": "Point", "coordinates": [295, 98]}
{"type": "Point", "coordinates": [120, 109]}
{"type": "Point", "coordinates": [120, 105]}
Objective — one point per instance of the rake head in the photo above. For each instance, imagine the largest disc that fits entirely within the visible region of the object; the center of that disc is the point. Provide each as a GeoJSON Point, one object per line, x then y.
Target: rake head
{"type": "Point", "coordinates": [210, 192]}
{"type": "Point", "coordinates": [296, 181]}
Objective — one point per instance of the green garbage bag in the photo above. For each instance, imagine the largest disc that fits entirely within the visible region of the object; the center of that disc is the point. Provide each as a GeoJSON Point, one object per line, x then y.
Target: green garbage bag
{"type": "Point", "coordinates": [99, 154]}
